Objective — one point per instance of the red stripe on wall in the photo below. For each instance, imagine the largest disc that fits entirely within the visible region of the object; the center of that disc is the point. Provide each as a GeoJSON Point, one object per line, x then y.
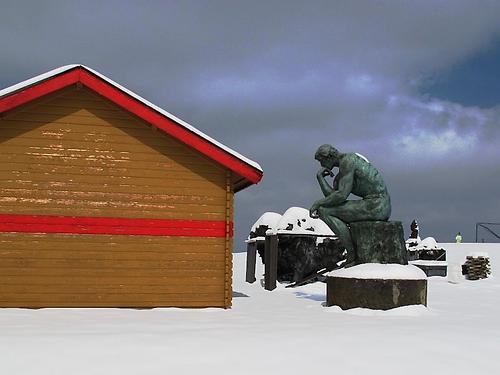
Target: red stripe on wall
{"type": "Point", "coordinates": [113, 226]}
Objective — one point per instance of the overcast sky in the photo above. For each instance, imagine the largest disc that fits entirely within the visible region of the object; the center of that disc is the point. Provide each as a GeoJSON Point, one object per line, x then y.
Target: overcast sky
{"type": "Point", "coordinates": [413, 86]}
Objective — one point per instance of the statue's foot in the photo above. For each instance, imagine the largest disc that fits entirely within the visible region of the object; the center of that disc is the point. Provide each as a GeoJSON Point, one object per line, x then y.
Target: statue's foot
{"type": "Point", "coordinates": [350, 259]}
{"type": "Point", "coordinates": [348, 263]}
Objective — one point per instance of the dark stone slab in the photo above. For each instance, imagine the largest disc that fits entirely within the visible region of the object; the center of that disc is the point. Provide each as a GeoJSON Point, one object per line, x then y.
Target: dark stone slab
{"type": "Point", "coordinates": [432, 254]}
{"type": "Point", "coordinates": [379, 242]}
{"type": "Point", "coordinates": [433, 269]}
{"type": "Point", "coordinates": [426, 254]}
{"type": "Point", "coordinates": [377, 294]}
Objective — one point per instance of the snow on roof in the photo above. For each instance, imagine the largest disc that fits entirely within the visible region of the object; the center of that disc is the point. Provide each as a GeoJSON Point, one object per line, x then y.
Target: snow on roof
{"type": "Point", "coordinates": [296, 220]}
{"type": "Point", "coordinates": [39, 78]}
{"type": "Point", "coordinates": [270, 219]}
{"type": "Point", "coordinates": [57, 71]}
{"type": "Point", "coordinates": [380, 271]}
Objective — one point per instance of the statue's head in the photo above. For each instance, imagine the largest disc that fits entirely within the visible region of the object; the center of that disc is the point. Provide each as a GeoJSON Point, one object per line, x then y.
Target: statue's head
{"type": "Point", "coordinates": [328, 156]}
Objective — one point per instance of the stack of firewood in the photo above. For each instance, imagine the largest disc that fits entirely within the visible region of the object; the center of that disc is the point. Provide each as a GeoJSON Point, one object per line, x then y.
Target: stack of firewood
{"type": "Point", "coordinates": [476, 267]}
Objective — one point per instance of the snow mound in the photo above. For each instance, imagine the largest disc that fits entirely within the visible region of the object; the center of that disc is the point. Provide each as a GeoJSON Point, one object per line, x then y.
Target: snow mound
{"type": "Point", "coordinates": [479, 254]}
{"type": "Point", "coordinates": [296, 220]}
{"type": "Point", "coordinates": [428, 243]}
{"type": "Point", "coordinates": [380, 271]}
{"type": "Point", "coordinates": [270, 219]}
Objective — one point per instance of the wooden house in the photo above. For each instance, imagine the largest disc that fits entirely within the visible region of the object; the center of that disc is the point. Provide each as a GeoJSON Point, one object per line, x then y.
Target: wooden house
{"type": "Point", "coordinates": [106, 200]}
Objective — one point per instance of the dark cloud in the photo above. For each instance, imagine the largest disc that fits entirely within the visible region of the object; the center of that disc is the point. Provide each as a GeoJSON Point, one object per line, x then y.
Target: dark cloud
{"type": "Point", "coordinates": [275, 79]}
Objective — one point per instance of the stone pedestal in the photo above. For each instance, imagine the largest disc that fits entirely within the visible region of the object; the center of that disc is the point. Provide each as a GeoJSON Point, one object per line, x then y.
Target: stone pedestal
{"type": "Point", "coordinates": [375, 294]}
{"type": "Point", "coordinates": [376, 286]}
{"type": "Point", "coordinates": [379, 242]}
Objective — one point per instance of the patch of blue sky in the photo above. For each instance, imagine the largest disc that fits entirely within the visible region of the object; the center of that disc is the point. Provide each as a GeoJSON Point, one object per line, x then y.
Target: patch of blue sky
{"type": "Point", "coordinates": [474, 81]}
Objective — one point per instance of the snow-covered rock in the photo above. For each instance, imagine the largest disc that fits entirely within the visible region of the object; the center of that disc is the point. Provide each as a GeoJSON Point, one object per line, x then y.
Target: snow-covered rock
{"type": "Point", "coordinates": [428, 243]}
{"type": "Point", "coordinates": [296, 220]}
{"type": "Point", "coordinates": [380, 271]}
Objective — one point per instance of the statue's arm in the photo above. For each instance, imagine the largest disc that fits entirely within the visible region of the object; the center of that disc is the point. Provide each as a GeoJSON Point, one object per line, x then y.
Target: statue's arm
{"type": "Point", "coordinates": [342, 186]}
{"type": "Point", "coordinates": [323, 184]}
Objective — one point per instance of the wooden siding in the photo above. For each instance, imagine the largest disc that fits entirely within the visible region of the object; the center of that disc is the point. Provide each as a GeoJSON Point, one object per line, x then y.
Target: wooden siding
{"type": "Point", "coordinates": [75, 154]}
{"type": "Point", "coordinates": [67, 157]}
{"type": "Point", "coordinates": [123, 271]}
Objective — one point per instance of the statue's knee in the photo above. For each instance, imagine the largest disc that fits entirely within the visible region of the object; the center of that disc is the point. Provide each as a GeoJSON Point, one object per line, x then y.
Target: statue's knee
{"type": "Point", "coordinates": [322, 213]}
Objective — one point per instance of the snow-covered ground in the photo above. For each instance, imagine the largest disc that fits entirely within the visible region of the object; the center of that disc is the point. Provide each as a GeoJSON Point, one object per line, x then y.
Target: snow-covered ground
{"type": "Point", "coordinates": [286, 331]}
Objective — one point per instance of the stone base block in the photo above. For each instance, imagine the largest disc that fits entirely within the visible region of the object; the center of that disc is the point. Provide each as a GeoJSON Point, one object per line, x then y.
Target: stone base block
{"type": "Point", "coordinates": [379, 242]}
{"type": "Point", "coordinates": [377, 294]}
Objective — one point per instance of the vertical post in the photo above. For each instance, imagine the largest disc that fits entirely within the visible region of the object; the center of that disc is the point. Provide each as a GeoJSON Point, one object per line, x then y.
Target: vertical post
{"type": "Point", "coordinates": [271, 262]}
{"type": "Point", "coordinates": [251, 259]}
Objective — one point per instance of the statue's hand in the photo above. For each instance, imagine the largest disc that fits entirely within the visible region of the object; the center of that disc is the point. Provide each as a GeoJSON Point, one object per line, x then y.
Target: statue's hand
{"type": "Point", "coordinates": [323, 172]}
{"type": "Point", "coordinates": [313, 211]}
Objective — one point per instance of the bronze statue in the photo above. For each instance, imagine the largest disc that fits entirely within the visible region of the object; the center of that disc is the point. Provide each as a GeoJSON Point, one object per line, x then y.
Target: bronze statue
{"type": "Point", "coordinates": [358, 176]}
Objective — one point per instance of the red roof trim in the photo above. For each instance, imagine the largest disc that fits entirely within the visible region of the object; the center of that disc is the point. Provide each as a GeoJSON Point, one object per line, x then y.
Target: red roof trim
{"type": "Point", "coordinates": [130, 104]}
{"type": "Point", "coordinates": [38, 90]}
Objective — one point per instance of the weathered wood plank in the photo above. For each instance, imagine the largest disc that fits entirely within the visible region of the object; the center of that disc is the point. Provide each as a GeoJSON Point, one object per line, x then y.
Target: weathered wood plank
{"type": "Point", "coordinates": [110, 212]}
{"type": "Point", "coordinates": [104, 254]}
{"type": "Point", "coordinates": [107, 272]}
{"type": "Point", "coordinates": [108, 297]}
{"type": "Point", "coordinates": [186, 265]}
{"type": "Point", "coordinates": [137, 303]}
{"type": "Point", "coordinates": [133, 250]}
{"type": "Point", "coordinates": [112, 240]}
{"type": "Point", "coordinates": [96, 196]}
{"type": "Point", "coordinates": [198, 192]}
{"type": "Point", "coordinates": [94, 155]}
{"type": "Point", "coordinates": [11, 168]}
{"type": "Point", "coordinates": [76, 119]}
{"type": "Point", "coordinates": [188, 280]}
{"type": "Point", "coordinates": [143, 137]}
{"type": "Point", "coordinates": [75, 204]}
{"type": "Point", "coordinates": [36, 176]}
{"type": "Point", "coordinates": [97, 145]}
{"type": "Point", "coordinates": [65, 107]}
{"type": "Point", "coordinates": [91, 155]}
{"type": "Point", "coordinates": [81, 139]}
{"type": "Point", "coordinates": [109, 288]}
{"type": "Point", "coordinates": [184, 166]}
